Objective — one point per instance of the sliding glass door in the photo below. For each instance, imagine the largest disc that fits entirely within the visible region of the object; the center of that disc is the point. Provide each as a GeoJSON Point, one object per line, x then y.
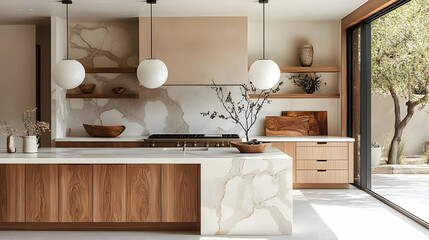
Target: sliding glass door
{"type": "Point", "coordinates": [388, 79]}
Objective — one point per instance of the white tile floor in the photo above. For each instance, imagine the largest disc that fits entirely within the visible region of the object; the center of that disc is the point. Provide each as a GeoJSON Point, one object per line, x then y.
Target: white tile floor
{"type": "Point", "coordinates": [318, 214]}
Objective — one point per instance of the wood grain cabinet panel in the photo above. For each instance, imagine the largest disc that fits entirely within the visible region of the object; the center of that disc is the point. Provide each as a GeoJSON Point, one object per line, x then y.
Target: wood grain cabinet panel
{"type": "Point", "coordinates": [322, 176]}
{"type": "Point", "coordinates": [144, 193]}
{"type": "Point", "coordinates": [110, 193]}
{"type": "Point", "coordinates": [322, 153]}
{"type": "Point", "coordinates": [75, 193]}
{"type": "Point", "coordinates": [322, 164]}
{"type": "Point", "coordinates": [180, 193]}
{"type": "Point", "coordinates": [12, 193]}
{"type": "Point", "coordinates": [41, 193]}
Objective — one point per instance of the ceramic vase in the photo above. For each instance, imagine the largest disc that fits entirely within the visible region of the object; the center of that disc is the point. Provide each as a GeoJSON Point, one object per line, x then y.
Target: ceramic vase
{"type": "Point", "coordinates": [29, 144]}
{"type": "Point", "coordinates": [11, 144]}
{"type": "Point", "coordinates": [306, 54]}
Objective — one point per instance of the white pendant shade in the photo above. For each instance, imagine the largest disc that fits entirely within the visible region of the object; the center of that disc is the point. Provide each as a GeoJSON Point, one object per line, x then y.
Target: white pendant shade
{"type": "Point", "coordinates": [68, 74]}
{"type": "Point", "coordinates": [264, 74]}
{"type": "Point", "coordinates": [152, 73]}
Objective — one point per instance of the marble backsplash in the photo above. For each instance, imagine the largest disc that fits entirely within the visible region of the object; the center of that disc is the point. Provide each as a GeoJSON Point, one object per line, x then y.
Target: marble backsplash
{"type": "Point", "coordinates": [169, 109]}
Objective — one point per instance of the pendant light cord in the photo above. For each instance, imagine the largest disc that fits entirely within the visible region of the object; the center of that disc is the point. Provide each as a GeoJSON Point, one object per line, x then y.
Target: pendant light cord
{"type": "Point", "coordinates": [151, 36]}
{"type": "Point", "coordinates": [67, 28]}
{"type": "Point", "coordinates": [263, 30]}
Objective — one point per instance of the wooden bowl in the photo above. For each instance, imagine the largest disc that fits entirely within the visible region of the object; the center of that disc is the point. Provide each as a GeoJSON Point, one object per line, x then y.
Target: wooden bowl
{"type": "Point", "coordinates": [87, 88]}
{"type": "Point", "coordinates": [103, 131]}
{"type": "Point", "coordinates": [245, 148]}
{"type": "Point", "coordinates": [118, 90]}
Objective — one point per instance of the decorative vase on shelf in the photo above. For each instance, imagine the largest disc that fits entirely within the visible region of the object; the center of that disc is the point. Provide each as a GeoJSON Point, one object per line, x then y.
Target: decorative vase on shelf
{"type": "Point", "coordinates": [11, 148]}
{"type": "Point", "coordinates": [306, 54]}
{"type": "Point", "coordinates": [29, 144]}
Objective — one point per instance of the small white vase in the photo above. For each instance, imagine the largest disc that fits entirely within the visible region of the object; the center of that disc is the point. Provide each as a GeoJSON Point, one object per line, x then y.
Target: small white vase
{"type": "Point", "coordinates": [29, 144]}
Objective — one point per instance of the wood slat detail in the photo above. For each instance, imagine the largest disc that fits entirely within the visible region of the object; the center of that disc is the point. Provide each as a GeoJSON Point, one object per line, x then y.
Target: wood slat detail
{"type": "Point", "coordinates": [107, 96]}
{"type": "Point", "coordinates": [111, 70]}
{"type": "Point", "coordinates": [41, 192]}
{"type": "Point", "coordinates": [144, 193]}
{"type": "Point", "coordinates": [320, 186]}
{"type": "Point", "coordinates": [179, 192]}
{"type": "Point", "coordinates": [110, 193]}
{"type": "Point", "coordinates": [279, 96]}
{"type": "Point", "coordinates": [326, 69]}
{"type": "Point", "coordinates": [322, 153]}
{"type": "Point", "coordinates": [12, 193]}
{"type": "Point", "coordinates": [75, 193]}
{"type": "Point", "coordinates": [351, 162]}
{"type": "Point", "coordinates": [99, 144]}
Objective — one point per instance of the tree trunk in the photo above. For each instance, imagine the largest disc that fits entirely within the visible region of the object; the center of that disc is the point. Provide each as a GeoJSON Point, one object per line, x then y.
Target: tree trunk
{"type": "Point", "coordinates": [399, 126]}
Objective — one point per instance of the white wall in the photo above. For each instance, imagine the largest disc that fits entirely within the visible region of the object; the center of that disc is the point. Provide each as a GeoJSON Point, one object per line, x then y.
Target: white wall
{"type": "Point", "coordinates": [17, 74]}
{"type": "Point", "coordinates": [382, 122]}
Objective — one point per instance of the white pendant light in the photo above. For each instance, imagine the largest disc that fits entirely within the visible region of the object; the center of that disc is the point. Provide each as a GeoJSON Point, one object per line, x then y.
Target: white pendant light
{"type": "Point", "coordinates": [264, 73]}
{"type": "Point", "coordinates": [68, 73]}
{"type": "Point", "coordinates": [152, 73]}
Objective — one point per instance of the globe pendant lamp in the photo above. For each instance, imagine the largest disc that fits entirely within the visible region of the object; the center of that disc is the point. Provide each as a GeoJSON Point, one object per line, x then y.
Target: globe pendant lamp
{"type": "Point", "coordinates": [152, 73]}
{"type": "Point", "coordinates": [264, 73]}
{"type": "Point", "coordinates": [68, 73]}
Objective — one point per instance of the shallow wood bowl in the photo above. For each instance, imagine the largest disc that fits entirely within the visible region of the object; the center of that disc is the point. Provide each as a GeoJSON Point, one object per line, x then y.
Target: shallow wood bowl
{"type": "Point", "coordinates": [245, 148]}
{"type": "Point", "coordinates": [87, 88]}
{"type": "Point", "coordinates": [103, 131]}
{"type": "Point", "coordinates": [118, 90]}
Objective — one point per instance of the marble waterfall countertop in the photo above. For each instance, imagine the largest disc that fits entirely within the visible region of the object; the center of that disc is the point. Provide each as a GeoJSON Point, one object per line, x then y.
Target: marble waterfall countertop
{"type": "Point", "coordinates": [241, 194]}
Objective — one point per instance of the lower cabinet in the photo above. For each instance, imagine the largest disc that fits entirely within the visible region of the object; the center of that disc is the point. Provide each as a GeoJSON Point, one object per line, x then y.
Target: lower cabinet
{"type": "Point", "coordinates": [41, 193]}
{"type": "Point", "coordinates": [320, 164]}
{"type": "Point", "coordinates": [12, 193]}
{"type": "Point", "coordinates": [75, 193]}
{"type": "Point", "coordinates": [180, 193]}
{"type": "Point", "coordinates": [144, 193]}
{"type": "Point", "coordinates": [110, 193]}
{"type": "Point", "coordinates": [68, 193]}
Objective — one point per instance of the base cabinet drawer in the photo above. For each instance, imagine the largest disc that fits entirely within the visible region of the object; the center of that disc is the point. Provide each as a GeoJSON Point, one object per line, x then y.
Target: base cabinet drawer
{"type": "Point", "coordinates": [322, 176]}
{"type": "Point", "coordinates": [322, 153]}
{"type": "Point", "coordinates": [322, 164]}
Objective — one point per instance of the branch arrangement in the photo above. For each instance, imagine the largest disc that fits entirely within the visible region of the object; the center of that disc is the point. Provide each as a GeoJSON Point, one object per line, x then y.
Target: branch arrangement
{"type": "Point", "coordinates": [36, 128]}
{"type": "Point", "coordinates": [245, 111]}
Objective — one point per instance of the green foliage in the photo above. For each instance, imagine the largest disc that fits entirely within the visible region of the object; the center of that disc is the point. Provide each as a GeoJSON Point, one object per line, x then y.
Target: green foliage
{"type": "Point", "coordinates": [401, 152]}
{"type": "Point", "coordinates": [400, 51]}
{"type": "Point", "coordinates": [309, 82]}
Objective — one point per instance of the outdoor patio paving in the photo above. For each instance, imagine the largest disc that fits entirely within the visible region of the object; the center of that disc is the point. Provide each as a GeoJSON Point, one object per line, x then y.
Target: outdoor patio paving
{"type": "Point", "coordinates": [410, 191]}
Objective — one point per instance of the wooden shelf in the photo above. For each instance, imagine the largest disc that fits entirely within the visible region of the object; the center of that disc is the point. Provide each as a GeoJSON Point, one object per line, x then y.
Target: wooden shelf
{"type": "Point", "coordinates": [110, 96]}
{"type": "Point", "coordinates": [111, 70]}
{"type": "Point", "coordinates": [332, 69]}
{"type": "Point", "coordinates": [278, 96]}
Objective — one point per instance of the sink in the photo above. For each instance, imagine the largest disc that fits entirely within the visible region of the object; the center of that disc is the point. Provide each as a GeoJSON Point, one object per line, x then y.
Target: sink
{"type": "Point", "coordinates": [190, 149]}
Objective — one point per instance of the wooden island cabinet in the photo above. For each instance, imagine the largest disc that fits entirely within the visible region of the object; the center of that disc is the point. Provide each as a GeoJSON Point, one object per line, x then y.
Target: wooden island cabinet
{"type": "Point", "coordinates": [97, 196]}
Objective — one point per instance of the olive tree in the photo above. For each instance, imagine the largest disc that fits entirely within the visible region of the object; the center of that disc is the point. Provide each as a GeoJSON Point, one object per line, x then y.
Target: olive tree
{"type": "Point", "coordinates": [400, 63]}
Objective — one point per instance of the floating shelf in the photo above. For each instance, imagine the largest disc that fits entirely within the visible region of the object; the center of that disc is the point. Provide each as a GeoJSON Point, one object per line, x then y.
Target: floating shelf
{"type": "Point", "coordinates": [111, 70]}
{"type": "Point", "coordinates": [109, 96]}
{"type": "Point", "coordinates": [328, 69]}
{"type": "Point", "coordinates": [278, 96]}
{"type": "Point", "coordinates": [332, 69]}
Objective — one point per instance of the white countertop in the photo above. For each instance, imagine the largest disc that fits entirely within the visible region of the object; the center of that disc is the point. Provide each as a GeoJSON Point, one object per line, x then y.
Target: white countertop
{"type": "Point", "coordinates": [302, 139]}
{"type": "Point", "coordinates": [260, 138]}
{"type": "Point", "coordinates": [101, 139]}
{"type": "Point", "coordinates": [132, 155]}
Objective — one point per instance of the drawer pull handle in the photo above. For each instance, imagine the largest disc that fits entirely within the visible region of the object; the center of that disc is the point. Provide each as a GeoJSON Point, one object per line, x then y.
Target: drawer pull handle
{"type": "Point", "coordinates": [322, 142]}
{"type": "Point", "coordinates": [321, 170]}
{"type": "Point", "coordinates": [322, 160]}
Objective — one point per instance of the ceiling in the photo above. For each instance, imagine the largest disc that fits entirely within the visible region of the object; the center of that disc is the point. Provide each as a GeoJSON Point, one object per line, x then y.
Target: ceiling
{"type": "Point", "coordinates": [35, 11]}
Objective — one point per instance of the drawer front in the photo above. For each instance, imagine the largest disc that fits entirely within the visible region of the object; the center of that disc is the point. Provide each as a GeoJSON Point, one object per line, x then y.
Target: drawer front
{"type": "Point", "coordinates": [322, 176]}
{"type": "Point", "coordinates": [322, 144]}
{"type": "Point", "coordinates": [322, 164]}
{"type": "Point", "coordinates": [322, 153]}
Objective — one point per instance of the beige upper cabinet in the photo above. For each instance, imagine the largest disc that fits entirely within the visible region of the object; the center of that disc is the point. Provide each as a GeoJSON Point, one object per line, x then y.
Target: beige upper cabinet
{"type": "Point", "coordinates": [197, 50]}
